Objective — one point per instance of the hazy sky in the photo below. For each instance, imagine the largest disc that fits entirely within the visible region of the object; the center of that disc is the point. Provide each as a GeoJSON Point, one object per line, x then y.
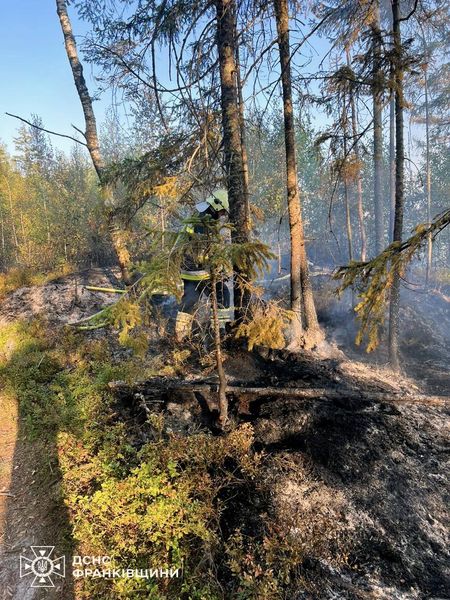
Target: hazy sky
{"type": "Point", "coordinates": [35, 75]}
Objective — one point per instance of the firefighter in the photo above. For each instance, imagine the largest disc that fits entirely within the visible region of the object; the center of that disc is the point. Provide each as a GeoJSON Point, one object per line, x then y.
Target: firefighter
{"type": "Point", "coordinates": [196, 278]}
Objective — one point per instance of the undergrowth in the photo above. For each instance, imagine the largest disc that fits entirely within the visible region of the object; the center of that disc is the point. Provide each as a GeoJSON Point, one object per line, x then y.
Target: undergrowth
{"type": "Point", "coordinates": [148, 505]}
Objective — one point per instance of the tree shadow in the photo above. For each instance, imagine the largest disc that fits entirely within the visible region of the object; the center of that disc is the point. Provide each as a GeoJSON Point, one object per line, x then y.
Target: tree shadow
{"type": "Point", "coordinates": [35, 513]}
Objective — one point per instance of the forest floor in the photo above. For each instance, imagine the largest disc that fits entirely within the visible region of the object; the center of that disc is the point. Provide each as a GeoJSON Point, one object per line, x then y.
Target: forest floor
{"type": "Point", "coordinates": [354, 476]}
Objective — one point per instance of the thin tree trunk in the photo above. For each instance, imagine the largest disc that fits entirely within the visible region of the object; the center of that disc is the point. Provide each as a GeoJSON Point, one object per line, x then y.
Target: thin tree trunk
{"type": "Point", "coordinates": [243, 137]}
{"type": "Point", "coordinates": [222, 392]}
{"type": "Point", "coordinates": [377, 90]}
{"type": "Point", "coordinates": [391, 167]}
{"type": "Point", "coordinates": [428, 175]}
{"type": "Point", "coordinates": [92, 141]}
{"type": "Point", "coordinates": [359, 189]}
{"type": "Point", "coordinates": [47, 222]}
{"type": "Point", "coordinates": [302, 300]}
{"type": "Point", "coordinates": [3, 241]}
{"type": "Point", "coordinates": [13, 225]}
{"type": "Point", "coordinates": [163, 227]}
{"type": "Point", "coordinates": [394, 306]}
{"type": "Point", "coordinates": [348, 220]}
{"type": "Point", "coordinates": [232, 143]}
{"type": "Point", "coordinates": [26, 244]}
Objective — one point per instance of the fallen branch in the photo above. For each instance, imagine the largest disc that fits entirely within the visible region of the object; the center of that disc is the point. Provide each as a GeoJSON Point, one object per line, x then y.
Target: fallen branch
{"type": "Point", "coordinates": [163, 386]}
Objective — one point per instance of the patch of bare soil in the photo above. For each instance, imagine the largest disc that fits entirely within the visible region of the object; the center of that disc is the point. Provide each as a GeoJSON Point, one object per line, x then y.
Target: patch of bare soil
{"type": "Point", "coordinates": [62, 300]}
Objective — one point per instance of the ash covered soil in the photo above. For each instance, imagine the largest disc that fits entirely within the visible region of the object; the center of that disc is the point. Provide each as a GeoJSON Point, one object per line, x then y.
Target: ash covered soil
{"type": "Point", "coordinates": [362, 485]}
{"type": "Point", "coordinates": [358, 484]}
{"type": "Point", "coordinates": [61, 300]}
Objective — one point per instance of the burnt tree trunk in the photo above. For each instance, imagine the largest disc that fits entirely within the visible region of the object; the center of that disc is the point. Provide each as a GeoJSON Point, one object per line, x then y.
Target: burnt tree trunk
{"type": "Point", "coordinates": [91, 137]}
{"type": "Point", "coordinates": [394, 305]}
{"type": "Point", "coordinates": [301, 289]}
{"type": "Point", "coordinates": [232, 142]}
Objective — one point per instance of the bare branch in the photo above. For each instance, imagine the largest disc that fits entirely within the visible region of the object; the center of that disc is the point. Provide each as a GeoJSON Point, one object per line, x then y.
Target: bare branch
{"type": "Point", "coordinates": [48, 130]}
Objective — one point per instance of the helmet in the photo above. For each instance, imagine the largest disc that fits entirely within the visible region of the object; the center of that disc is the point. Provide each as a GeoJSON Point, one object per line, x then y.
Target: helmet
{"type": "Point", "coordinates": [218, 201]}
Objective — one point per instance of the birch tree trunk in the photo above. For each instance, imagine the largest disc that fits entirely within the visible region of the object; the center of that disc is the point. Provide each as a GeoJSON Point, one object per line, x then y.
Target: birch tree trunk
{"type": "Point", "coordinates": [92, 141]}
{"type": "Point", "coordinates": [302, 300]}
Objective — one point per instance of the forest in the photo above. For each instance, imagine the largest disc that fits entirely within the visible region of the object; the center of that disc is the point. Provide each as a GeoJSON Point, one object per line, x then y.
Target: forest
{"type": "Point", "coordinates": [225, 302]}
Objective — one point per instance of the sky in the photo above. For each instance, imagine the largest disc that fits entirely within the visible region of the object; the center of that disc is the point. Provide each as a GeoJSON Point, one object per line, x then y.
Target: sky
{"type": "Point", "coordinates": [35, 74]}
{"type": "Point", "coordinates": [36, 77]}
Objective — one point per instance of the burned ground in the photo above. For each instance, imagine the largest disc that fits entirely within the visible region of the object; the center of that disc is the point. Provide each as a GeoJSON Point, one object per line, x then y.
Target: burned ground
{"type": "Point", "coordinates": [352, 483]}
{"type": "Point", "coordinates": [357, 484]}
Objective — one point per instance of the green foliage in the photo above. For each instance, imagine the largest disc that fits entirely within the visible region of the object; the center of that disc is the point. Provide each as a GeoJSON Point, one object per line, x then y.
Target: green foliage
{"type": "Point", "coordinates": [151, 506]}
{"type": "Point", "coordinates": [162, 512]}
{"type": "Point", "coordinates": [262, 568]}
{"type": "Point", "coordinates": [49, 208]}
{"type": "Point", "coordinates": [266, 326]}
{"type": "Point", "coordinates": [374, 278]}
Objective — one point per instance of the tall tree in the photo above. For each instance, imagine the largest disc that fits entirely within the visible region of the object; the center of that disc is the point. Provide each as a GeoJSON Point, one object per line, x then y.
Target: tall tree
{"type": "Point", "coordinates": [92, 140]}
{"type": "Point", "coordinates": [302, 299]}
{"type": "Point", "coordinates": [377, 104]}
{"type": "Point", "coordinates": [398, 74]}
{"type": "Point", "coordinates": [232, 136]}
{"type": "Point", "coordinates": [391, 166]}
{"type": "Point", "coordinates": [356, 150]}
{"type": "Point", "coordinates": [427, 157]}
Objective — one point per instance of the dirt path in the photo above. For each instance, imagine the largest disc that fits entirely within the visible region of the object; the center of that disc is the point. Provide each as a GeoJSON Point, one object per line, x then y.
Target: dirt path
{"type": "Point", "coordinates": [31, 509]}
{"type": "Point", "coordinates": [8, 436]}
